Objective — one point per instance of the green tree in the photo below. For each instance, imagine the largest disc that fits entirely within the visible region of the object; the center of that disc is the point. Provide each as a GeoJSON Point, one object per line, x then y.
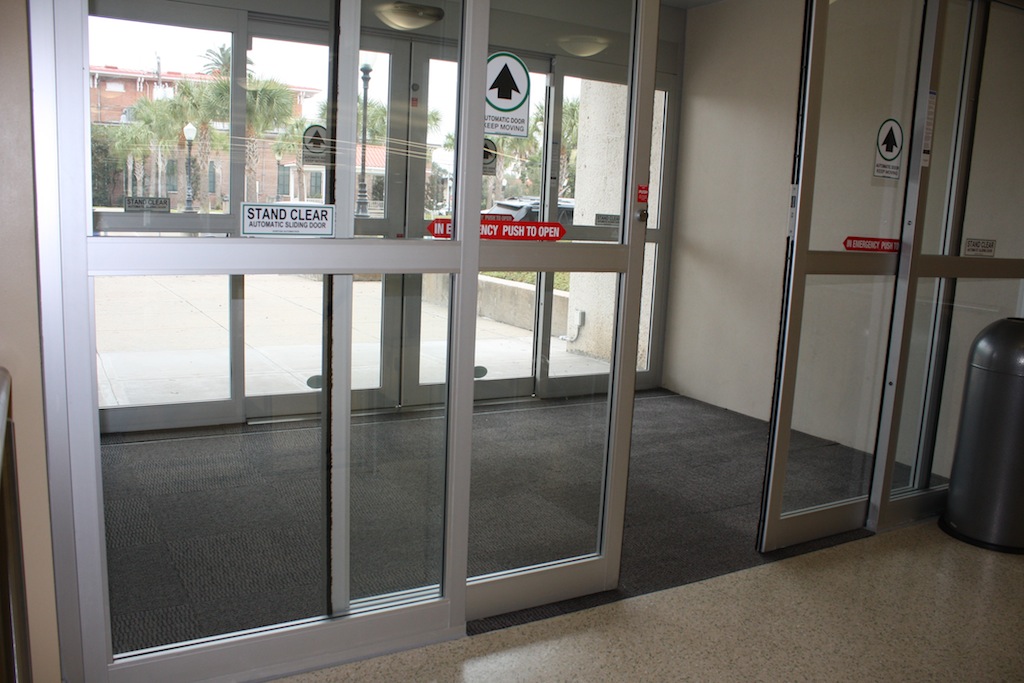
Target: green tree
{"type": "Point", "coordinates": [156, 117]}
{"type": "Point", "coordinates": [268, 106]}
{"type": "Point", "coordinates": [201, 104]}
{"type": "Point", "coordinates": [106, 164]}
{"type": "Point", "coordinates": [288, 144]}
{"type": "Point", "coordinates": [568, 148]}
{"type": "Point", "coordinates": [218, 62]}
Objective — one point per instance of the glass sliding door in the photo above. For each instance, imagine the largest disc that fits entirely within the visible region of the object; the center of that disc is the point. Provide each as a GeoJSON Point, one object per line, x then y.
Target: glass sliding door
{"type": "Point", "coordinates": [842, 277]}
{"type": "Point", "coordinates": [968, 269]}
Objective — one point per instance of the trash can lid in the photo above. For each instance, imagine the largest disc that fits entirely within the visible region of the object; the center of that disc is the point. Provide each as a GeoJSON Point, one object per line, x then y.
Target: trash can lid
{"type": "Point", "coordinates": [1000, 347]}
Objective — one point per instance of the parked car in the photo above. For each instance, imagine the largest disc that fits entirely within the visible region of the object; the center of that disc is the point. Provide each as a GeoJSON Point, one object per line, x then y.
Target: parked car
{"type": "Point", "coordinates": [527, 209]}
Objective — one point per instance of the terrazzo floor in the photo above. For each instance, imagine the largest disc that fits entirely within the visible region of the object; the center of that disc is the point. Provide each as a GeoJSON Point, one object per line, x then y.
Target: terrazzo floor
{"type": "Point", "coordinates": [908, 605]}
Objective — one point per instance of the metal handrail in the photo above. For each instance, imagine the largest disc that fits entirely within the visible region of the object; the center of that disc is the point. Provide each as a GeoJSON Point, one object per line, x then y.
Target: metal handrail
{"type": "Point", "coordinates": [14, 662]}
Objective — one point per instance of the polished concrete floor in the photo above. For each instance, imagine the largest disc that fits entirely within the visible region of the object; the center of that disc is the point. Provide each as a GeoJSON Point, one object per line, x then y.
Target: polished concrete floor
{"type": "Point", "coordinates": [907, 605]}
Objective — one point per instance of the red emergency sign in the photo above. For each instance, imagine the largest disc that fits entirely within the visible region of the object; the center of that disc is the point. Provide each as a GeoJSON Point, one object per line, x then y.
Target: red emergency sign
{"type": "Point", "coordinates": [504, 230]}
{"type": "Point", "coordinates": [871, 244]}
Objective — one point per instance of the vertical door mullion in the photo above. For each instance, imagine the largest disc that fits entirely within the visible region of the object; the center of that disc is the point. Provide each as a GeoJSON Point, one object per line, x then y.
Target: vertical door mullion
{"type": "Point", "coordinates": [630, 286]}
{"type": "Point", "coordinates": [782, 408]}
{"type": "Point", "coordinates": [915, 199]}
{"type": "Point", "coordinates": [339, 444]}
{"type": "Point", "coordinates": [546, 283]}
{"type": "Point", "coordinates": [462, 321]}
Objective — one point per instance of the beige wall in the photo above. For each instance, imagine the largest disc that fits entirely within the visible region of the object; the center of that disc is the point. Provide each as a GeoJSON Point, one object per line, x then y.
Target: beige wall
{"type": "Point", "coordinates": [19, 336]}
{"type": "Point", "coordinates": [740, 86]}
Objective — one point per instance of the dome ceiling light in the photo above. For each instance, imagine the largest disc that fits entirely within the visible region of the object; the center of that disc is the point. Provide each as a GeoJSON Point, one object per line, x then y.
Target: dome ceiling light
{"type": "Point", "coordinates": [407, 16]}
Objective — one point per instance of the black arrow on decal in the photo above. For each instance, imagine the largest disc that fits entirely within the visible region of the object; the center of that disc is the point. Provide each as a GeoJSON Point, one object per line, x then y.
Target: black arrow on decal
{"type": "Point", "coordinates": [505, 84]}
{"type": "Point", "coordinates": [890, 142]}
{"type": "Point", "coordinates": [316, 140]}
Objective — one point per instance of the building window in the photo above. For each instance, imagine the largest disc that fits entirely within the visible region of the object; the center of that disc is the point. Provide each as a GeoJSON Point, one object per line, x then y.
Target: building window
{"type": "Point", "coordinates": [316, 184]}
{"type": "Point", "coordinates": [114, 86]}
{"type": "Point", "coordinates": [172, 175]}
{"type": "Point", "coordinates": [284, 176]}
{"type": "Point", "coordinates": [211, 178]}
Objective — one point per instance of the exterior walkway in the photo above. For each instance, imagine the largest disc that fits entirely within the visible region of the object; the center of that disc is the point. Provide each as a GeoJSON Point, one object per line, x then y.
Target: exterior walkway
{"type": "Point", "coordinates": [165, 339]}
{"type": "Point", "coordinates": [908, 605]}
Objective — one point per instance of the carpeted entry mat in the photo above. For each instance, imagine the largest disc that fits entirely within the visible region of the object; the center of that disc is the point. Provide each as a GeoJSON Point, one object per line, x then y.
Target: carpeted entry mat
{"type": "Point", "coordinates": [212, 531]}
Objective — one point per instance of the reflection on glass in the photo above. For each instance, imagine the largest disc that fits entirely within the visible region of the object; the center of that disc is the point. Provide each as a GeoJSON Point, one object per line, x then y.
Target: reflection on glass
{"type": "Point", "coordinates": [162, 339]}
{"type": "Point", "coordinates": [870, 67]}
{"type": "Point", "coordinates": [143, 105]}
{"type": "Point", "coordinates": [843, 342]}
{"type": "Point", "coordinates": [286, 93]}
{"type": "Point", "coordinates": [283, 334]}
{"type": "Point", "coordinates": [583, 324]}
{"type": "Point", "coordinates": [506, 309]}
{"type": "Point", "coordinates": [657, 159]}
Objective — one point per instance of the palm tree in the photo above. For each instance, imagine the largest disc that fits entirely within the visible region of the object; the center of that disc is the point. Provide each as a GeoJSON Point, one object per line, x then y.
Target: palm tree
{"type": "Point", "coordinates": [157, 118]}
{"type": "Point", "coordinates": [567, 150]}
{"type": "Point", "coordinates": [130, 142]}
{"type": "Point", "coordinates": [269, 105]}
{"type": "Point", "coordinates": [289, 143]}
{"type": "Point", "coordinates": [201, 104]}
{"type": "Point", "coordinates": [218, 61]}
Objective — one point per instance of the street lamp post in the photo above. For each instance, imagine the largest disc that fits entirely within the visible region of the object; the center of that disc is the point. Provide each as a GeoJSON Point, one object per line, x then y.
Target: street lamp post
{"type": "Point", "coordinates": [190, 135]}
{"type": "Point", "coordinates": [362, 200]}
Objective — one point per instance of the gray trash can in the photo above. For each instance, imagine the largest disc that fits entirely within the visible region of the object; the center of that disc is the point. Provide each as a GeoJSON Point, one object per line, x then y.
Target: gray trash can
{"type": "Point", "coordinates": [986, 487]}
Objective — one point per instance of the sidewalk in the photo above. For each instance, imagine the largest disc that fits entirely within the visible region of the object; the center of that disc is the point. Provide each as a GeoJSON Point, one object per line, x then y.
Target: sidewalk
{"type": "Point", "coordinates": [165, 339]}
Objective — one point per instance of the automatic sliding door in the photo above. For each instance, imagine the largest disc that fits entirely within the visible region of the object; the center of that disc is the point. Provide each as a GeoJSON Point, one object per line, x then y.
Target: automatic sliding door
{"type": "Point", "coordinates": [860, 95]}
{"type": "Point", "coordinates": [971, 212]}
{"type": "Point", "coordinates": [545, 505]}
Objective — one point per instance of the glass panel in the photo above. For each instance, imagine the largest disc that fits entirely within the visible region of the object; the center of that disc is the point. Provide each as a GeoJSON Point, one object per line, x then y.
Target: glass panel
{"type": "Point", "coordinates": [843, 341]}
{"type": "Point", "coordinates": [866, 114]}
{"type": "Point", "coordinates": [537, 486]}
{"type": "Point", "coordinates": [418, 86]}
{"type": "Point", "coordinates": [434, 328]}
{"type": "Point", "coordinates": [592, 173]}
{"type": "Point", "coordinates": [162, 339]}
{"type": "Point", "coordinates": [367, 348]}
{"type": "Point", "coordinates": [643, 355]}
{"type": "Point", "coordinates": [995, 203]}
{"type": "Point", "coordinates": [147, 82]}
{"type": "Point", "coordinates": [512, 185]}
{"type": "Point", "coordinates": [440, 190]}
{"type": "Point", "coordinates": [286, 93]}
{"type": "Point", "coordinates": [397, 484]}
{"type": "Point", "coordinates": [976, 304]}
{"type": "Point", "coordinates": [374, 146]}
{"type": "Point", "coordinates": [209, 530]}
{"type": "Point", "coordinates": [951, 49]}
{"type": "Point", "coordinates": [283, 334]}
{"type": "Point", "coordinates": [657, 159]}
{"type": "Point", "coordinates": [583, 324]}
{"type": "Point", "coordinates": [506, 309]}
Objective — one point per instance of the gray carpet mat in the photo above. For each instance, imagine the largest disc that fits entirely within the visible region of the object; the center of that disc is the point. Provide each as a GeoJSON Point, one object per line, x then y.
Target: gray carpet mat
{"type": "Point", "coordinates": [213, 531]}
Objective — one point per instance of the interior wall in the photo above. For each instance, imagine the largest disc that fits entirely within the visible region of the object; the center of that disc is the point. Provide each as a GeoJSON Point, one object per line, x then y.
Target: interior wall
{"type": "Point", "coordinates": [19, 337]}
{"type": "Point", "coordinates": [741, 72]}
